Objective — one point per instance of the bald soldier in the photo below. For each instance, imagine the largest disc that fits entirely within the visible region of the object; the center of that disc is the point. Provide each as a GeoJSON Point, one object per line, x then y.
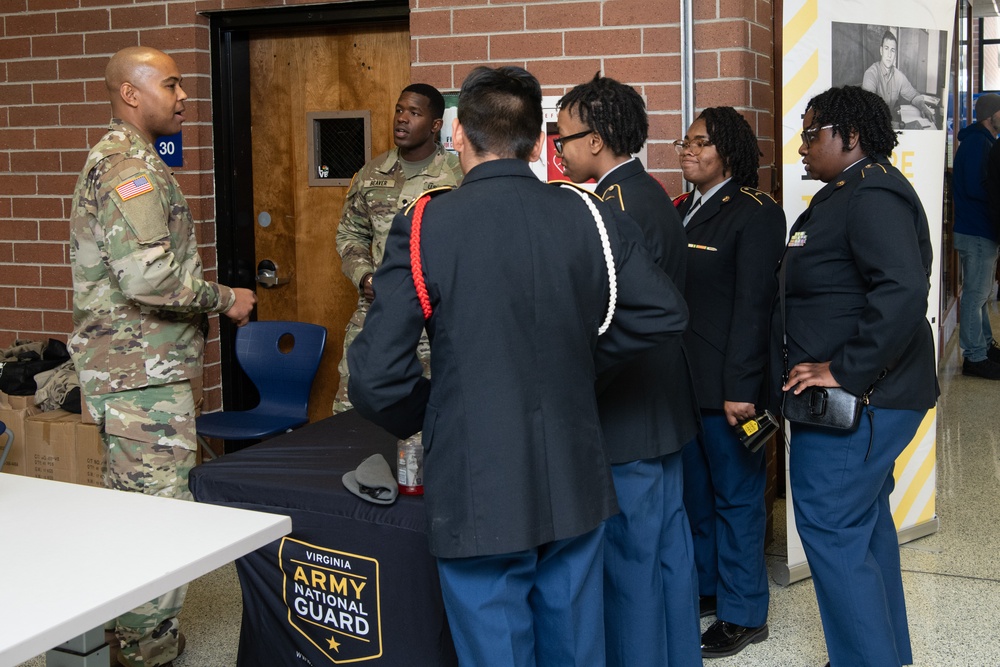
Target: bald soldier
{"type": "Point", "coordinates": [140, 308]}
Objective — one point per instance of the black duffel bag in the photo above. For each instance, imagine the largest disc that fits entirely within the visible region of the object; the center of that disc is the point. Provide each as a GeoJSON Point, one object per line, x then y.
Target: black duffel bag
{"type": "Point", "coordinates": [17, 378]}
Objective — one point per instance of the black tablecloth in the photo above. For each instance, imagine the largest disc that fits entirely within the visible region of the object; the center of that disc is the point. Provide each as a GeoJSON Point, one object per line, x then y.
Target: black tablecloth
{"type": "Point", "coordinates": [354, 582]}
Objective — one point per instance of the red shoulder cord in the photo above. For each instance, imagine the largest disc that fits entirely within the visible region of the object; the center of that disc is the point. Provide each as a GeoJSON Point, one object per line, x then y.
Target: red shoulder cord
{"type": "Point", "coordinates": [415, 266]}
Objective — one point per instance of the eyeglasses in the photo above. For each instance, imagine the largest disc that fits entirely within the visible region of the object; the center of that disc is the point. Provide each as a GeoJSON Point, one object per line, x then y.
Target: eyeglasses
{"type": "Point", "coordinates": [374, 491]}
{"type": "Point", "coordinates": [693, 146]}
{"type": "Point", "coordinates": [559, 141]}
{"type": "Point", "coordinates": [810, 134]}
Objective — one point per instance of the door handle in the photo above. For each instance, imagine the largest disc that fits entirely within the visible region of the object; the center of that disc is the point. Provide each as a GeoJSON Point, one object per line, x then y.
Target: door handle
{"type": "Point", "coordinates": [267, 274]}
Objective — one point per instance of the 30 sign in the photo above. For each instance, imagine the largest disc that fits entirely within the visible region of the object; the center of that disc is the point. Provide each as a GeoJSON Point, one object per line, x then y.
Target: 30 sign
{"type": "Point", "coordinates": [171, 150]}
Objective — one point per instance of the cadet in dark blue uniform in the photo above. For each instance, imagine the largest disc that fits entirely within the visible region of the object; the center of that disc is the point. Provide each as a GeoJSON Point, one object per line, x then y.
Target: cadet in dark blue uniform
{"type": "Point", "coordinates": [517, 484]}
{"type": "Point", "coordinates": [857, 271]}
{"type": "Point", "coordinates": [735, 236]}
{"type": "Point", "coordinates": [647, 405]}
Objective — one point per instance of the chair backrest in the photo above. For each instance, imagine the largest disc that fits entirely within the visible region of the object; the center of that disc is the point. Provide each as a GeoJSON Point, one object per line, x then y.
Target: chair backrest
{"type": "Point", "coordinates": [283, 379]}
{"type": "Point", "coordinates": [6, 448]}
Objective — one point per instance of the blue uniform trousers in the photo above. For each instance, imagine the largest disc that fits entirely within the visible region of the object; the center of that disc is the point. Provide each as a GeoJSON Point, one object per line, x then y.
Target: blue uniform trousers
{"type": "Point", "coordinates": [840, 490]}
{"type": "Point", "coordinates": [537, 608]}
{"type": "Point", "coordinates": [650, 581]}
{"type": "Point", "coordinates": [724, 497]}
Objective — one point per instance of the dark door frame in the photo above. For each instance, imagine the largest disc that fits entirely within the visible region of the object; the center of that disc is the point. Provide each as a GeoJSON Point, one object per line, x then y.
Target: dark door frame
{"type": "Point", "coordinates": [230, 34]}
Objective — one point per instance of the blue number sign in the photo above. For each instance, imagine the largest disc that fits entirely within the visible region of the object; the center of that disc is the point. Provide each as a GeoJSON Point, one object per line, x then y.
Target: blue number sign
{"type": "Point", "coordinates": [171, 149]}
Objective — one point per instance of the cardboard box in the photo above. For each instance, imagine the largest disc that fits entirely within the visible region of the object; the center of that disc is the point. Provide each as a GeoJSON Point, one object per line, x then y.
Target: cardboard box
{"type": "Point", "coordinates": [14, 419]}
{"type": "Point", "coordinates": [59, 446]}
{"type": "Point", "coordinates": [16, 402]}
{"type": "Point", "coordinates": [51, 445]}
{"type": "Point", "coordinates": [90, 453]}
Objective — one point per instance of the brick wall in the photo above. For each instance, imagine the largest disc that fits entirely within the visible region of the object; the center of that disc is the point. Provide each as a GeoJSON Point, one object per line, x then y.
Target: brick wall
{"type": "Point", "coordinates": [634, 41]}
{"type": "Point", "coordinates": [54, 104]}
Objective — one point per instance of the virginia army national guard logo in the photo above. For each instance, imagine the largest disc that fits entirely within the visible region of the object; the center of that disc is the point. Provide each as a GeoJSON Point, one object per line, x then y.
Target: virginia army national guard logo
{"type": "Point", "coordinates": [333, 600]}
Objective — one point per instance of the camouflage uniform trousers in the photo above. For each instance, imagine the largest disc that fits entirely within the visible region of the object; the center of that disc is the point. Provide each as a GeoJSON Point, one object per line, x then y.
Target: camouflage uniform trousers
{"type": "Point", "coordinates": [152, 443]}
{"type": "Point", "coordinates": [341, 402]}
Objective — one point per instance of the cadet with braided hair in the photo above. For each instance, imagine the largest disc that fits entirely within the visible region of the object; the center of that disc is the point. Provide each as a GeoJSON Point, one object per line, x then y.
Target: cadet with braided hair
{"type": "Point", "coordinates": [734, 236]}
{"type": "Point", "coordinates": [735, 143]}
{"type": "Point", "coordinates": [650, 584]}
{"type": "Point", "coordinates": [852, 110]}
{"type": "Point", "coordinates": [614, 111]}
{"type": "Point", "coordinates": [856, 274]}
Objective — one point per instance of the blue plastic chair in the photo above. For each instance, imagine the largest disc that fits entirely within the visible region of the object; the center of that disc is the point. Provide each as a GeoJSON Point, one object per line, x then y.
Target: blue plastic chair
{"type": "Point", "coordinates": [10, 442]}
{"type": "Point", "coordinates": [283, 380]}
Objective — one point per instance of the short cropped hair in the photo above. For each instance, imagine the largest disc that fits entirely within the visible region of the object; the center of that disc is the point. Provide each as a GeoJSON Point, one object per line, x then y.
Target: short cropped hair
{"type": "Point", "coordinates": [613, 110]}
{"type": "Point", "coordinates": [853, 109]}
{"type": "Point", "coordinates": [435, 100]}
{"type": "Point", "coordinates": [501, 111]}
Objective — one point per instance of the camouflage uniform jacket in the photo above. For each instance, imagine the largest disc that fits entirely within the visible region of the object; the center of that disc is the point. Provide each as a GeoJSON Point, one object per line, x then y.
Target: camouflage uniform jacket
{"type": "Point", "coordinates": [379, 191]}
{"type": "Point", "coordinates": [139, 299]}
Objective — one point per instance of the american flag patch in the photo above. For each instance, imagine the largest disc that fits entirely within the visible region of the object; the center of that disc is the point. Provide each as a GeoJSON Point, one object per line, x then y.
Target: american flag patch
{"type": "Point", "coordinates": [139, 185]}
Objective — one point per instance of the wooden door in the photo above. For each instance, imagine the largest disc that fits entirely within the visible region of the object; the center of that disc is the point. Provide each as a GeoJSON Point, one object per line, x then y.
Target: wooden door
{"type": "Point", "coordinates": [293, 73]}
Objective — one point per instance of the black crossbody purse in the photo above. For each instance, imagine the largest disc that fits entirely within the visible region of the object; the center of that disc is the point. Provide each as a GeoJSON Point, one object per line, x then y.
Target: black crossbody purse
{"type": "Point", "coordinates": [829, 407]}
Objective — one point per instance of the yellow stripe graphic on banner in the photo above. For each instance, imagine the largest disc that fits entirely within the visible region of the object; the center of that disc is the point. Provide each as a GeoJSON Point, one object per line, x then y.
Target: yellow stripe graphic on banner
{"type": "Point", "coordinates": [792, 98]}
{"type": "Point", "coordinates": [920, 480]}
{"type": "Point", "coordinates": [798, 86]}
{"type": "Point", "coordinates": [799, 25]}
{"type": "Point", "coordinates": [794, 32]}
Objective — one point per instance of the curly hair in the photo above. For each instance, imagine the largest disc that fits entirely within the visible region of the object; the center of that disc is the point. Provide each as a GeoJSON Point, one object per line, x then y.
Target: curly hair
{"type": "Point", "coordinates": [612, 109]}
{"type": "Point", "coordinates": [735, 142]}
{"type": "Point", "coordinates": [852, 109]}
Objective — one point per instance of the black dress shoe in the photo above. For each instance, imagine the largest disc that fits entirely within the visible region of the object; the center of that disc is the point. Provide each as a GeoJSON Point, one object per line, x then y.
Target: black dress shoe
{"type": "Point", "coordinates": [722, 639]}
{"type": "Point", "coordinates": [984, 369]}
{"type": "Point", "coordinates": [706, 605]}
{"type": "Point", "coordinates": [993, 353]}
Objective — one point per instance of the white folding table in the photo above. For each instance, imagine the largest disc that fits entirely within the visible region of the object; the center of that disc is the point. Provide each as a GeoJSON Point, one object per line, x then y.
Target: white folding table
{"type": "Point", "coordinates": [64, 574]}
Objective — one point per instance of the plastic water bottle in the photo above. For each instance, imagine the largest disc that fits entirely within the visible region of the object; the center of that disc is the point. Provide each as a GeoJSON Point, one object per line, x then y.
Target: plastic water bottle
{"type": "Point", "coordinates": [410, 465]}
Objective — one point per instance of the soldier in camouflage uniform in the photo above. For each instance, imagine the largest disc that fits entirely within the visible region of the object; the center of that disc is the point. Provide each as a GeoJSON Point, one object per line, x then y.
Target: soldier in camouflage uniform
{"type": "Point", "coordinates": [385, 185]}
{"type": "Point", "coordinates": [139, 309]}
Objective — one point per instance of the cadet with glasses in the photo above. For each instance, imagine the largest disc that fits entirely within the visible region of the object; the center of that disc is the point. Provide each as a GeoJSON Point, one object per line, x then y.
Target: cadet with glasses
{"type": "Point", "coordinates": [650, 582]}
{"type": "Point", "coordinates": [735, 235]}
{"type": "Point", "coordinates": [856, 272]}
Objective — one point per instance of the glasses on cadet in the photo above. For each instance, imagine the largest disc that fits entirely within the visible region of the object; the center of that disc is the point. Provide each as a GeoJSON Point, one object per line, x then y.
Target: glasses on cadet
{"type": "Point", "coordinates": [693, 146]}
{"type": "Point", "coordinates": [559, 141]}
{"type": "Point", "coordinates": [810, 134]}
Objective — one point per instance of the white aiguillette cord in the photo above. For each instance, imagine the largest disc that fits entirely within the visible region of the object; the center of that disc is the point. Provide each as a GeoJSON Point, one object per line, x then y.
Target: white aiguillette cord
{"type": "Point", "coordinates": [609, 259]}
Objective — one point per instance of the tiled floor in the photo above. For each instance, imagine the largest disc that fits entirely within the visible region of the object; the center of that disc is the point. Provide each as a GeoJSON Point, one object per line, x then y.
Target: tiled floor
{"type": "Point", "coordinates": [952, 577]}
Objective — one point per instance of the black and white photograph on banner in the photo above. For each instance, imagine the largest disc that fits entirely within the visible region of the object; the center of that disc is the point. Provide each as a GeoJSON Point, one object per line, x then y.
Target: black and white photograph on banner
{"type": "Point", "coordinates": [905, 66]}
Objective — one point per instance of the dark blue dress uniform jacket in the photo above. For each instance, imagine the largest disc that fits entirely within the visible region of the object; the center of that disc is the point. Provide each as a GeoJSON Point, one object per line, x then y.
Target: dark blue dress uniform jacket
{"type": "Point", "coordinates": [514, 456]}
{"type": "Point", "coordinates": [734, 244]}
{"type": "Point", "coordinates": [647, 405]}
{"type": "Point", "coordinates": [857, 268]}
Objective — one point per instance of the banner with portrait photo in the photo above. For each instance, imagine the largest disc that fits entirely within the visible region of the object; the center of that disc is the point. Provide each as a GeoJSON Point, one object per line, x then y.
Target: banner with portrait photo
{"type": "Point", "coordinates": [898, 49]}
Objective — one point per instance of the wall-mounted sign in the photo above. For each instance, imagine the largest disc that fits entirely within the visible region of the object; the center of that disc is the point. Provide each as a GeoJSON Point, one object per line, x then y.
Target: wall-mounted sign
{"type": "Point", "coordinates": [171, 149]}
